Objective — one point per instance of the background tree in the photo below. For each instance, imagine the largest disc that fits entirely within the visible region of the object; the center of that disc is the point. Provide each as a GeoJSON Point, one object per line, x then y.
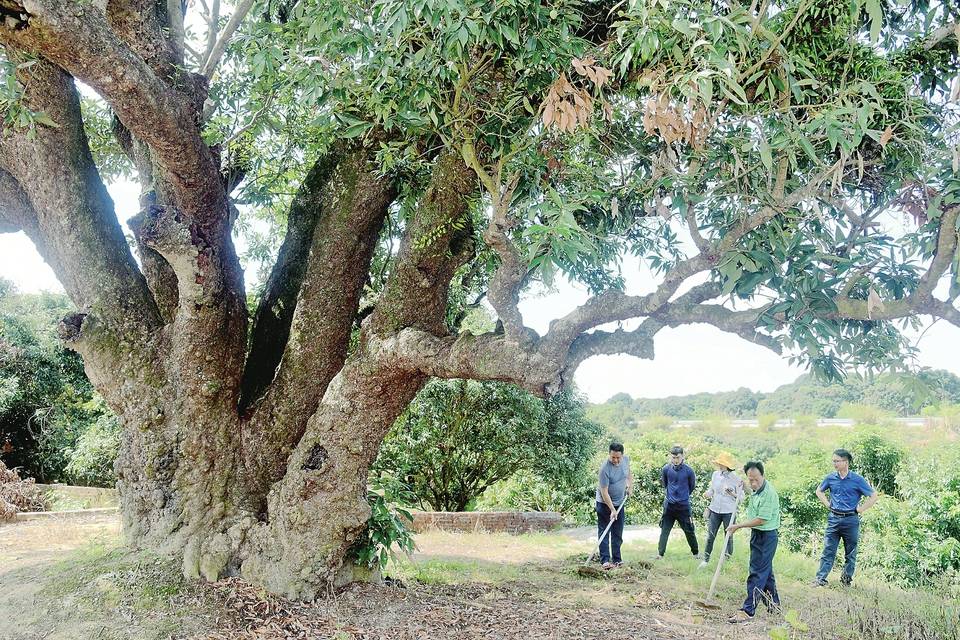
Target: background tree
{"type": "Point", "coordinates": [459, 437]}
{"type": "Point", "coordinates": [447, 149]}
{"type": "Point", "coordinates": [46, 402]}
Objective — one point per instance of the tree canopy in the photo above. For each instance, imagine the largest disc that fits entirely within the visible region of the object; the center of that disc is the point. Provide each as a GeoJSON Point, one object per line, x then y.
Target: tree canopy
{"type": "Point", "coordinates": [459, 437]}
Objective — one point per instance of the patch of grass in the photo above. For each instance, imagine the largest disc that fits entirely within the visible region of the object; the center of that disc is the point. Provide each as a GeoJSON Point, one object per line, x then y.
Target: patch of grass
{"type": "Point", "coordinates": [453, 571]}
{"type": "Point", "coordinates": [103, 579]}
{"type": "Point", "coordinates": [871, 610]}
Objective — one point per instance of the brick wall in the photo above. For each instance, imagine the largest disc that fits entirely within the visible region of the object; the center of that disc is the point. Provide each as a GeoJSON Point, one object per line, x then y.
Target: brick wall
{"type": "Point", "coordinates": [491, 521]}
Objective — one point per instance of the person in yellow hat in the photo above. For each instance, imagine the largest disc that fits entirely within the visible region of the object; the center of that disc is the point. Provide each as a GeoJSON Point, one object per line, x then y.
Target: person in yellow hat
{"type": "Point", "coordinates": [725, 493]}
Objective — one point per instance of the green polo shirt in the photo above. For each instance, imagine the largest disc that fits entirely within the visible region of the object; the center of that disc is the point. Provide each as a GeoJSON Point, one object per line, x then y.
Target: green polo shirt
{"type": "Point", "coordinates": [765, 504]}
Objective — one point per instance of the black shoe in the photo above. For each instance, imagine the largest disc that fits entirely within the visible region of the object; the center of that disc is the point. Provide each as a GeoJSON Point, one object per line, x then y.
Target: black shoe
{"type": "Point", "coordinates": [817, 582]}
{"type": "Point", "coordinates": [846, 581]}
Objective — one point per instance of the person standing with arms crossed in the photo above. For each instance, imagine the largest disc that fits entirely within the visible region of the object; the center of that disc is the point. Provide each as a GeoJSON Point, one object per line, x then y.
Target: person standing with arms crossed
{"type": "Point", "coordinates": [614, 484]}
{"type": "Point", "coordinates": [678, 481]}
{"type": "Point", "coordinates": [846, 488]}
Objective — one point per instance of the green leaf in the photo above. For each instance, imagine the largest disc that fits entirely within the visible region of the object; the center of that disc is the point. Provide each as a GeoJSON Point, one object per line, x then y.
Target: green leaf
{"type": "Point", "coordinates": [875, 11]}
{"type": "Point", "coordinates": [41, 117]}
{"type": "Point", "coordinates": [765, 156]}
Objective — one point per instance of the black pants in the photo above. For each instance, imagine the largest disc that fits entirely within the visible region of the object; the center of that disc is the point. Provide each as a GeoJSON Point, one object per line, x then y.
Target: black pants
{"type": "Point", "coordinates": [681, 515]}
{"type": "Point", "coordinates": [610, 545]}
{"type": "Point", "coordinates": [716, 519]}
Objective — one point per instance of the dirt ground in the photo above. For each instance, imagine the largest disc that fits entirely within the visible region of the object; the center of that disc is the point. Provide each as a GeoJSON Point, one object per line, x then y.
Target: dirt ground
{"type": "Point", "coordinates": [71, 579]}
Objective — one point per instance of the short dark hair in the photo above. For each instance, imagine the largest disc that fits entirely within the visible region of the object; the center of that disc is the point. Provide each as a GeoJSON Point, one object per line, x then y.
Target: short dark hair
{"type": "Point", "coordinates": [616, 446]}
{"type": "Point", "coordinates": [753, 464]}
{"type": "Point", "coordinates": [846, 455]}
{"type": "Point", "coordinates": [676, 450]}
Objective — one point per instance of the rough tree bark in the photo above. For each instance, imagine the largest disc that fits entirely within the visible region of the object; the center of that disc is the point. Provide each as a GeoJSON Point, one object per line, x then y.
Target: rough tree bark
{"type": "Point", "coordinates": [254, 461]}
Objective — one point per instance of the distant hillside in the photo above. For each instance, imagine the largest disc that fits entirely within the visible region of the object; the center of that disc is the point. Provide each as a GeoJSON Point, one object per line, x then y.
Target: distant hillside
{"type": "Point", "coordinates": [901, 394]}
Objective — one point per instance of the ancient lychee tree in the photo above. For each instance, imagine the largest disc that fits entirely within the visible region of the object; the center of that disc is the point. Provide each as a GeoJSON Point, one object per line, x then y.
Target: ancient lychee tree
{"type": "Point", "coordinates": [788, 168]}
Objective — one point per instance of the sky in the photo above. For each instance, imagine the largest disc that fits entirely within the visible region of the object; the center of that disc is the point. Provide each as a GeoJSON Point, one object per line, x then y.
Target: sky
{"type": "Point", "coordinates": [689, 359]}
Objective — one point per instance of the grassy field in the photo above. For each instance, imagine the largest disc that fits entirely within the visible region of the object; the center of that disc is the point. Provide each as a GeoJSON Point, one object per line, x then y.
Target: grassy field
{"type": "Point", "coordinates": [454, 586]}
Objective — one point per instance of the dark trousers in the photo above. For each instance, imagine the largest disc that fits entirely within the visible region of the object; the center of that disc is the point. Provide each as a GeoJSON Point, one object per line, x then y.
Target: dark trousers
{"type": "Point", "coordinates": [761, 585]}
{"type": "Point", "coordinates": [680, 515]}
{"type": "Point", "coordinates": [846, 528]}
{"type": "Point", "coordinates": [610, 545]}
{"type": "Point", "coordinates": [713, 526]}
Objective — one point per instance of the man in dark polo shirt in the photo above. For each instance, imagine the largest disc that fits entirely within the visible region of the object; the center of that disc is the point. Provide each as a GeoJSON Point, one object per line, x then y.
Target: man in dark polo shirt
{"type": "Point", "coordinates": [846, 489]}
{"type": "Point", "coordinates": [678, 481]}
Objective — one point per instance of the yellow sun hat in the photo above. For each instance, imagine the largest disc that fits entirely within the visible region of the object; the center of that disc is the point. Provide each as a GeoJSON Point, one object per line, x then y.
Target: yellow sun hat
{"type": "Point", "coordinates": [726, 460]}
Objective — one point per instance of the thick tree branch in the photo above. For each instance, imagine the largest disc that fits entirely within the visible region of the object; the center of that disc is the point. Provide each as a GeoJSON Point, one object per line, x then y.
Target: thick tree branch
{"type": "Point", "coordinates": [145, 25]}
{"type": "Point", "coordinates": [16, 212]}
{"type": "Point", "coordinates": [940, 34]}
{"type": "Point", "coordinates": [75, 226]}
{"type": "Point", "coordinates": [614, 306]}
{"type": "Point", "coordinates": [637, 342]}
{"type": "Point", "coordinates": [921, 299]}
{"type": "Point", "coordinates": [504, 288]}
{"type": "Point", "coordinates": [304, 322]}
{"type": "Point", "coordinates": [77, 37]}
{"type": "Point", "coordinates": [438, 240]}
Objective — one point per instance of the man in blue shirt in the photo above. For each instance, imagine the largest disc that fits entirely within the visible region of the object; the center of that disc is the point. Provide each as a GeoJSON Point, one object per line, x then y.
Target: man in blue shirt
{"type": "Point", "coordinates": [846, 489]}
{"type": "Point", "coordinates": [678, 481]}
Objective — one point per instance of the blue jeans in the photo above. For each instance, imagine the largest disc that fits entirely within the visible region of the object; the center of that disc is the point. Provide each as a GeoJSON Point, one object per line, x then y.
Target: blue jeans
{"type": "Point", "coordinates": [846, 528]}
{"type": "Point", "coordinates": [761, 585]}
{"type": "Point", "coordinates": [716, 519]}
{"type": "Point", "coordinates": [610, 545]}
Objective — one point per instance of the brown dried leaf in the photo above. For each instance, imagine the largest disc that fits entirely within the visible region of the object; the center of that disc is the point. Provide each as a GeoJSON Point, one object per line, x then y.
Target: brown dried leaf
{"type": "Point", "coordinates": [603, 75]}
{"type": "Point", "coordinates": [549, 112]}
{"type": "Point", "coordinates": [886, 136]}
{"type": "Point", "coordinates": [578, 66]}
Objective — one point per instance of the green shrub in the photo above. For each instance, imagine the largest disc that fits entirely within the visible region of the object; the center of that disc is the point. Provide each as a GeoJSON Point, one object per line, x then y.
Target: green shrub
{"type": "Point", "coordinates": [916, 540]}
{"type": "Point", "coordinates": [767, 421]}
{"type": "Point", "coordinates": [527, 491]}
{"type": "Point", "coordinates": [796, 477]}
{"type": "Point", "coordinates": [658, 422]}
{"type": "Point", "coordinates": [388, 526]}
{"type": "Point", "coordinates": [949, 414]}
{"type": "Point", "coordinates": [91, 462]}
{"type": "Point", "coordinates": [877, 458]}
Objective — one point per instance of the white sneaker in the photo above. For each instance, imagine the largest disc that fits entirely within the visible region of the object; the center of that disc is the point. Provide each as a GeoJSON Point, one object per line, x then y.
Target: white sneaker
{"type": "Point", "coordinates": [703, 565]}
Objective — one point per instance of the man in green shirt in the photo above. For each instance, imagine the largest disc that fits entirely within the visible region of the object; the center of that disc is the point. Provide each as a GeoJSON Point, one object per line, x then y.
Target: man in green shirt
{"type": "Point", "coordinates": [763, 519]}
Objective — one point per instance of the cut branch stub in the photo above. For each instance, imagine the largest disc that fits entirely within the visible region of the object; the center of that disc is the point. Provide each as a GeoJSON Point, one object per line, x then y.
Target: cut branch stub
{"type": "Point", "coordinates": [70, 327]}
{"type": "Point", "coordinates": [164, 230]}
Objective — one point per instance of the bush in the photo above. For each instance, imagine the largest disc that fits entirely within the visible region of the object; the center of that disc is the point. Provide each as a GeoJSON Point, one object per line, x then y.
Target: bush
{"type": "Point", "coordinates": [91, 462]}
{"type": "Point", "coordinates": [876, 458]}
{"type": "Point", "coordinates": [948, 413]}
{"type": "Point", "coordinates": [767, 421]}
{"type": "Point", "coordinates": [388, 526]}
{"type": "Point", "coordinates": [796, 477]}
{"type": "Point", "coordinates": [916, 540]}
{"type": "Point", "coordinates": [459, 437]}
{"type": "Point", "coordinates": [526, 491]}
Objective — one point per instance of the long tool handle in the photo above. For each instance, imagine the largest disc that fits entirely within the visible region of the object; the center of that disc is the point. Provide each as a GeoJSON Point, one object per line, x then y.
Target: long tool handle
{"type": "Point", "coordinates": [723, 552]}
